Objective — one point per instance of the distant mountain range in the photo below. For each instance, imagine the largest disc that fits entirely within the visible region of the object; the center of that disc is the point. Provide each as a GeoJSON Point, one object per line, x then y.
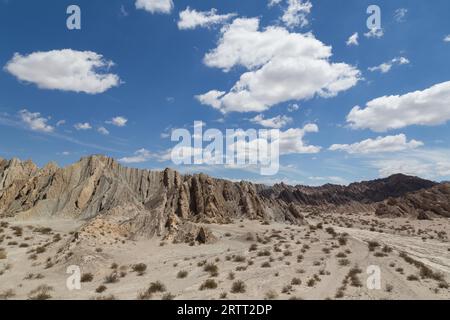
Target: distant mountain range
{"type": "Point", "coordinates": [145, 202]}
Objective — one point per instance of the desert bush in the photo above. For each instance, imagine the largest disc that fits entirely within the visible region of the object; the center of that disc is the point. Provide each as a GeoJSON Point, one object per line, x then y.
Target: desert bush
{"type": "Point", "coordinates": [311, 282]}
{"type": "Point", "coordinates": [40, 250]}
{"type": "Point", "coordinates": [264, 253]}
{"type": "Point", "coordinates": [253, 247]}
{"type": "Point", "coordinates": [426, 273]}
{"type": "Point", "coordinates": [209, 284]}
{"type": "Point", "coordinates": [239, 259]}
{"type": "Point", "coordinates": [341, 255]}
{"type": "Point", "coordinates": [296, 282]}
{"type": "Point", "coordinates": [271, 295]}
{"type": "Point", "coordinates": [212, 269]}
{"type": "Point", "coordinates": [168, 296]}
{"type": "Point", "coordinates": [286, 289]}
{"type": "Point", "coordinates": [156, 287]}
{"type": "Point", "coordinates": [87, 277]}
{"type": "Point", "coordinates": [389, 288]}
{"type": "Point", "coordinates": [43, 230]}
{"type": "Point", "coordinates": [373, 245]}
{"type": "Point", "coordinates": [343, 262]}
{"type": "Point", "coordinates": [182, 274]}
{"type": "Point", "coordinates": [101, 289]}
{"type": "Point", "coordinates": [265, 265]}
{"type": "Point", "coordinates": [342, 240]}
{"type": "Point", "coordinates": [40, 293]}
{"type": "Point", "coordinates": [111, 278]}
{"type": "Point", "coordinates": [202, 263]}
{"type": "Point", "coordinates": [412, 277]}
{"type": "Point", "coordinates": [231, 276]}
{"type": "Point", "coordinates": [140, 268]}
{"type": "Point", "coordinates": [238, 287]}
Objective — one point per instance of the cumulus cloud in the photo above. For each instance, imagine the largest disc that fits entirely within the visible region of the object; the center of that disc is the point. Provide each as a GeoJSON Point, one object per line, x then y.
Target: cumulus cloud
{"type": "Point", "coordinates": [191, 18]}
{"type": "Point", "coordinates": [34, 121]}
{"type": "Point", "coordinates": [66, 70]}
{"type": "Point", "coordinates": [118, 121]}
{"type": "Point", "coordinates": [387, 66]}
{"type": "Point", "coordinates": [292, 140]}
{"type": "Point", "coordinates": [447, 38]}
{"type": "Point", "coordinates": [430, 164]}
{"type": "Point", "coordinates": [378, 145]}
{"type": "Point", "coordinates": [275, 123]}
{"type": "Point", "coordinates": [83, 126]}
{"type": "Point", "coordinates": [155, 6]}
{"type": "Point", "coordinates": [103, 131]}
{"type": "Point", "coordinates": [429, 107]}
{"type": "Point", "coordinates": [282, 66]}
{"type": "Point", "coordinates": [272, 3]}
{"type": "Point", "coordinates": [353, 40]}
{"type": "Point", "coordinates": [296, 13]}
{"type": "Point", "coordinates": [142, 155]}
{"type": "Point", "coordinates": [61, 123]}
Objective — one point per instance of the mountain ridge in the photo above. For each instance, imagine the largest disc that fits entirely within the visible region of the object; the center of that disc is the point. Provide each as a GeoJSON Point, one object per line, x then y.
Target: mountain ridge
{"type": "Point", "coordinates": [145, 202]}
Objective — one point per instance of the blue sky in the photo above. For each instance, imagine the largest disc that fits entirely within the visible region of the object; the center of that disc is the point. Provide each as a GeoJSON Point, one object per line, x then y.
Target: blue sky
{"type": "Point", "coordinates": [399, 80]}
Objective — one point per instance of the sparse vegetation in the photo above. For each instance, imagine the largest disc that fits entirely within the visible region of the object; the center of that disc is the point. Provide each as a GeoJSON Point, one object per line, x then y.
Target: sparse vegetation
{"type": "Point", "coordinates": [238, 287]}
{"type": "Point", "coordinates": [182, 274]}
{"type": "Point", "coordinates": [41, 293]}
{"type": "Point", "coordinates": [209, 284]}
{"type": "Point", "coordinates": [140, 268]}
{"type": "Point", "coordinates": [87, 277]}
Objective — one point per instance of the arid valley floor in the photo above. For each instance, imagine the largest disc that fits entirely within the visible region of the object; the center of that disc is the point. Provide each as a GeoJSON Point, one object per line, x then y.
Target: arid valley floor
{"type": "Point", "coordinates": [250, 260]}
{"type": "Point", "coordinates": [138, 234]}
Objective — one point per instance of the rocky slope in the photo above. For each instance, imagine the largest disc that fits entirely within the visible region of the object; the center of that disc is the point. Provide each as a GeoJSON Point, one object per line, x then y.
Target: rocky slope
{"type": "Point", "coordinates": [143, 203]}
{"type": "Point", "coordinates": [423, 204]}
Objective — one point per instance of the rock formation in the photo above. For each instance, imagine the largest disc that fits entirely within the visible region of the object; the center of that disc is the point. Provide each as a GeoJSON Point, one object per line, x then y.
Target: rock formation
{"type": "Point", "coordinates": [142, 203]}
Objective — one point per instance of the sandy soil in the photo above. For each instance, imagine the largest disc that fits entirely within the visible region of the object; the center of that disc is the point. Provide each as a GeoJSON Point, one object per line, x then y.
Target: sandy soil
{"type": "Point", "coordinates": [273, 261]}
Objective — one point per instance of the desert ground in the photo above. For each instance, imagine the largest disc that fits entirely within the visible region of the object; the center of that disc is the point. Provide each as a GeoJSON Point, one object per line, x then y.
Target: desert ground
{"type": "Point", "coordinates": [327, 258]}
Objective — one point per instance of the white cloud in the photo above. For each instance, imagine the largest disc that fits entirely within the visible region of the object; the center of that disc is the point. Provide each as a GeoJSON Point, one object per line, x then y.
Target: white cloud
{"type": "Point", "coordinates": [378, 145]}
{"type": "Point", "coordinates": [34, 121]}
{"type": "Point", "coordinates": [293, 107]}
{"type": "Point", "coordinates": [296, 14]}
{"type": "Point", "coordinates": [282, 66]}
{"type": "Point", "coordinates": [66, 70]}
{"type": "Point", "coordinates": [400, 14]}
{"type": "Point", "coordinates": [103, 131]}
{"type": "Point", "coordinates": [275, 123]}
{"type": "Point", "coordinates": [374, 33]}
{"type": "Point", "coordinates": [430, 164]}
{"type": "Point", "coordinates": [118, 121]}
{"type": "Point", "coordinates": [353, 40]}
{"type": "Point", "coordinates": [61, 123]}
{"type": "Point", "coordinates": [273, 3]}
{"type": "Point", "coordinates": [191, 18]}
{"type": "Point", "coordinates": [447, 38]}
{"type": "Point", "coordinates": [142, 155]}
{"type": "Point", "coordinates": [82, 126]}
{"type": "Point", "coordinates": [292, 140]}
{"type": "Point", "coordinates": [387, 66]}
{"type": "Point", "coordinates": [155, 6]}
{"type": "Point", "coordinates": [429, 107]}
{"type": "Point", "coordinates": [330, 179]}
